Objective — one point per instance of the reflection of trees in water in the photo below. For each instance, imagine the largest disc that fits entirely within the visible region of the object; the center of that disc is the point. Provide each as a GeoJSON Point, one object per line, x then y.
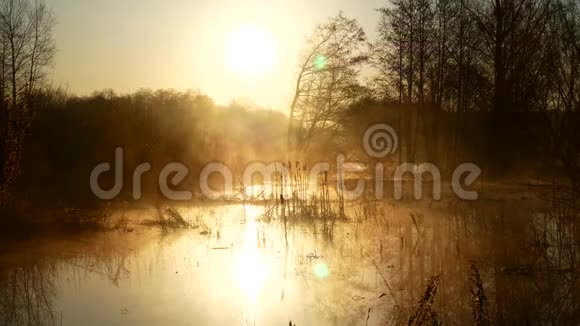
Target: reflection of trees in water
{"type": "Point", "coordinates": [28, 289]}
{"type": "Point", "coordinates": [107, 255]}
{"type": "Point", "coordinates": [26, 295]}
{"type": "Point", "coordinates": [528, 262]}
{"type": "Point", "coordinates": [113, 268]}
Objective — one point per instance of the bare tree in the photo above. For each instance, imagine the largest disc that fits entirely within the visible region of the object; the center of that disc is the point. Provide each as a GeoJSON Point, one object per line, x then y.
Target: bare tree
{"type": "Point", "coordinates": [565, 93]}
{"type": "Point", "coordinates": [41, 48]}
{"type": "Point", "coordinates": [327, 79]}
{"type": "Point", "coordinates": [406, 31]}
{"type": "Point", "coordinates": [27, 50]}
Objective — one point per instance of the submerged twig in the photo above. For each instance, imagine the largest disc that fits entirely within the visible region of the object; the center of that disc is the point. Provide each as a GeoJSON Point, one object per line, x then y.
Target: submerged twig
{"type": "Point", "coordinates": [383, 277]}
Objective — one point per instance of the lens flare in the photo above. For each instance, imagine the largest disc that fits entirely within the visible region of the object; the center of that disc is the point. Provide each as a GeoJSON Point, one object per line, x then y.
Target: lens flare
{"type": "Point", "coordinates": [319, 62]}
{"type": "Point", "coordinates": [321, 270]}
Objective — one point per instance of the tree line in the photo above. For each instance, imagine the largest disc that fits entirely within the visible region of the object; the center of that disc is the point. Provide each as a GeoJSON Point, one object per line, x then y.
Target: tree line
{"type": "Point", "coordinates": [72, 134]}
{"type": "Point", "coordinates": [509, 68]}
{"type": "Point", "coordinates": [491, 81]}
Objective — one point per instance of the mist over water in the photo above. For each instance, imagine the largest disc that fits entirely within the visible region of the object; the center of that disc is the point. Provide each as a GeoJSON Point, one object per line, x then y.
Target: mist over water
{"type": "Point", "coordinates": [244, 265]}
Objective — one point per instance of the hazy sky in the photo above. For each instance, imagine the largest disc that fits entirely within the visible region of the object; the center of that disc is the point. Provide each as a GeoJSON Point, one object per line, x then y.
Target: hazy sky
{"type": "Point", "coordinates": [130, 44]}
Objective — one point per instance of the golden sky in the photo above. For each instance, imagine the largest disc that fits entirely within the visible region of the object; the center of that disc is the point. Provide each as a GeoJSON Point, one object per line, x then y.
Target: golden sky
{"type": "Point", "coordinates": [187, 44]}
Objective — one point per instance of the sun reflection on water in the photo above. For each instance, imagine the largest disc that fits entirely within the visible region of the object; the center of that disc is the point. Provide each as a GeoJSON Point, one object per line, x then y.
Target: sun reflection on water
{"type": "Point", "coordinates": [251, 267]}
{"type": "Point", "coordinates": [251, 273]}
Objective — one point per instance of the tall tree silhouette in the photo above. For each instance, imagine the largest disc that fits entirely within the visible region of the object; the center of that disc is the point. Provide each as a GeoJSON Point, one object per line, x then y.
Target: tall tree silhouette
{"type": "Point", "coordinates": [27, 50]}
{"type": "Point", "coordinates": [327, 78]}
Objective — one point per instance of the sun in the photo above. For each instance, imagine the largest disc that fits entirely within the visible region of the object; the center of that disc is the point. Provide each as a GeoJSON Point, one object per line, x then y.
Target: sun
{"type": "Point", "coordinates": [250, 51]}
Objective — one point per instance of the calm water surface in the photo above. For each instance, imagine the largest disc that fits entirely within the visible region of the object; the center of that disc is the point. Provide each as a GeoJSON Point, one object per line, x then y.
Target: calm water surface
{"type": "Point", "coordinates": [248, 265]}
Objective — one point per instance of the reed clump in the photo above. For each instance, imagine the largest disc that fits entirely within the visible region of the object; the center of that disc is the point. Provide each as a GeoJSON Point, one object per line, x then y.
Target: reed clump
{"type": "Point", "coordinates": [478, 297]}
{"type": "Point", "coordinates": [425, 313]}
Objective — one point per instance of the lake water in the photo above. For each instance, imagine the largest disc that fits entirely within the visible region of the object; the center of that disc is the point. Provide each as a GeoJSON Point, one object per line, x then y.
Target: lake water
{"type": "Point", "coordinates": [243, 264]}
